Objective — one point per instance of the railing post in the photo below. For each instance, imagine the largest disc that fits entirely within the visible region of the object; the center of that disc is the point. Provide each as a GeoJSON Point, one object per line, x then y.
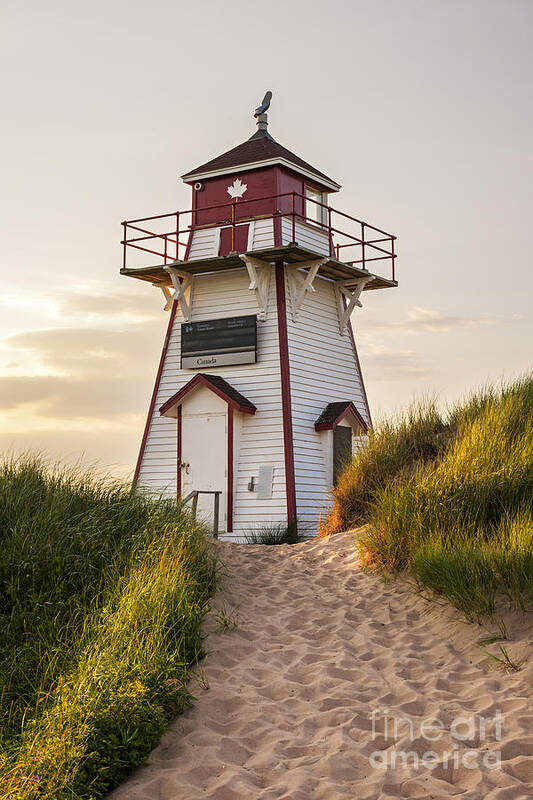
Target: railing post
{"type": "Point", "coordinates": [124, 227]}
{"type": "Point", "coordinates": [363, 243]}
{"type": "Point", "coordinates": [293, 219]}
{"type": "Point", "coordinates": [166, 243]}
{"type": "Point", "coordinates": [177, 235]}
{"type": "Point", "coordinates": [215, 514]}
{"type": "Point", "coordinates": [233, 226]}
{"type": "Point", "coordinates": [393, 259]}
{"type": "Point", "coordinates": [330, 235]}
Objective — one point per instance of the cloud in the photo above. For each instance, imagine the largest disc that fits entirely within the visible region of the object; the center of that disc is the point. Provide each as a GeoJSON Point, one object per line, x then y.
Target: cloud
{"type": "Point", "coordinates": [60, 397]}
{"type": "Point", "coordinates": [93, 373]}
{"type": "Point", "coordinates": [138, 306]}
{"type": "Point", "coordinates": [425, 320]}
{"type": "Point", "coordinates": [382, 364]}
{"type": "Point", "coordinates": [92, 352]}
{"type": "Point", "coordinates": [83, 390]}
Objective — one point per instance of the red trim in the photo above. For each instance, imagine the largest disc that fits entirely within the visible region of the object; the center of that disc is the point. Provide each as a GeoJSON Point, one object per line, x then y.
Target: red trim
{"type": "Point", "coordinates": [192, 384]}
{"type": "Point", "coordinates": [277, 230]}
{"type": "Point", "coordinates": [229, 491]}
{"type": "Point", "coordinates": [286, 405]}
{"type": "Point", "coordinates": [154, 393]}
{"type": "Point", "coordinates": [352, 337]}
{"type": "Point", "coordinates": [350, 409]}
{"type": "Point", "coordinates": [178, 477]}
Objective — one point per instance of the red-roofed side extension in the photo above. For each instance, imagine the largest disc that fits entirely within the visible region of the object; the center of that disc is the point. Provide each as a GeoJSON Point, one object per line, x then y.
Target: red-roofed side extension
{"type": "Point", "coordinates": [335, 413]}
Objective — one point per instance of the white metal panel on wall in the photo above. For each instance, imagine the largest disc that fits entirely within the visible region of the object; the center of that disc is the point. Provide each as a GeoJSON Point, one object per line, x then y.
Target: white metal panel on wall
{"type": "Point", "coordinates": [204, 244]}
{"type": "Point", "coordinates": [263, 234]}
{"type": "Point", "coordinates": [260, 437]}
{"type": "Point", "coordinates": [307, 235]}
{"type": "Point", "coordinates": [323, 370]}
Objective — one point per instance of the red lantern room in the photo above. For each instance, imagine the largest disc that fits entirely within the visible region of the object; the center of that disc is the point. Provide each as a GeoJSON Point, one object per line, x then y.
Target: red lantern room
{"type": "Point", "coordinates": [259, 398]}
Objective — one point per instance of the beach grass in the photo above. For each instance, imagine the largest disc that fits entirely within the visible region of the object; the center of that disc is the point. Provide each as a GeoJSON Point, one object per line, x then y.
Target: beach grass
{"type": "Point", "coordinates": [102, 594]}
{"type": "Point", "coordinates": [273, 533]}
{"type": "Point", "coordinates": [449, 497]}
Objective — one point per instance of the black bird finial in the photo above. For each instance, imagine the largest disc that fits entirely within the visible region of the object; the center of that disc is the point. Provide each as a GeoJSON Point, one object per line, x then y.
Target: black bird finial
{"type": "Point", "coordinates": [264, 105]}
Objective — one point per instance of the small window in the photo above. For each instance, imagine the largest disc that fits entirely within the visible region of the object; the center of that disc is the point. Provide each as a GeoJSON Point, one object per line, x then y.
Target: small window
{"type": "Point", "coordinates": [342, 450]}
{"type": "Point", "coordinates": [314, 206]}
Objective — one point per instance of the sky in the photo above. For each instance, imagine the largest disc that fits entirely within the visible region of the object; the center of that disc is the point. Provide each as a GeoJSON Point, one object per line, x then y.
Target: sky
{"type": "Point", "coordinates": [421, 109]}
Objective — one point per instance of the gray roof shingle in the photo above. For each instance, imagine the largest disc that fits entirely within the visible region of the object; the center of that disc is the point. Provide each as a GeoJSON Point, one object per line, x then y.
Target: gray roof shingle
{"type": "Point", "coordinates": [260, 147]}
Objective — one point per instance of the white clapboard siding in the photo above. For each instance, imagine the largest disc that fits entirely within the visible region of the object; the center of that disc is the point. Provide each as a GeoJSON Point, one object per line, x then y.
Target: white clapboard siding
{"type": "Point", "coordinates": [260, 439]}
{"type": "Point", "coordinates": [205, 243]}
{"type": "Point", "coordinates": [359, 443]}
{"type": "Point", "coordinates": [323, 370]}
{"type": "Point", "coordinates": [263, 234]}
{"type": "Point", "coordinates": [309, 236]}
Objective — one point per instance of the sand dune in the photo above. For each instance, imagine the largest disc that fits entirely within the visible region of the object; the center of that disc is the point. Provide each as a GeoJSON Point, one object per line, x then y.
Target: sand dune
{"type": "Point", "coordinates": [328, 678]}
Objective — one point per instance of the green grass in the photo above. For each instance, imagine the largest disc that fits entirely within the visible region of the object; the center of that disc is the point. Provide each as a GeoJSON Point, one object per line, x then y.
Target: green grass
{"type": "Point", "coordinates": [449, 497]}
{"type": "Point", "coordinates": [102, 594]}
{"type": "Point", "coordinates": [273, 533]}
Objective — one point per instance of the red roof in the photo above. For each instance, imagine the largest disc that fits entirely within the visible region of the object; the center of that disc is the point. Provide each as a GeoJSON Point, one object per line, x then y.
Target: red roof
{"type": "Point", "coordinates": [259, 147]}
{"type": "Point", "coordinates": [335, 412]}
{"type": "Point", "coordinates": [219, 386]}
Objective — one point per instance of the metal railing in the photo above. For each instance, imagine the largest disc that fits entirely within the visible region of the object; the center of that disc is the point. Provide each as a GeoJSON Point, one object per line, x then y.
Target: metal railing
{"type": "Point", "coordinates": [194, 505]}
{"type": "Point", "coordinates": [371, 243]}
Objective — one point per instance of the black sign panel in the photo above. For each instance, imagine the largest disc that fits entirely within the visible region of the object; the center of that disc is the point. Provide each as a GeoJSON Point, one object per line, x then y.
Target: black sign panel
{"type": "Point", "coordinates": [219, 342]}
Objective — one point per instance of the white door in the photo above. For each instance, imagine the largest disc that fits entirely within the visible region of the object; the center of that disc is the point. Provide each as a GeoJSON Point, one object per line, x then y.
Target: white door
{"type": "Point", "coordinates": [204, 460]}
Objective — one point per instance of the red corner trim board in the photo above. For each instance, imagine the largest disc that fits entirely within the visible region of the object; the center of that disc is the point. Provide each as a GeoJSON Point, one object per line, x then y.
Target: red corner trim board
{"type": "Point", "coordinates": [286, 405]}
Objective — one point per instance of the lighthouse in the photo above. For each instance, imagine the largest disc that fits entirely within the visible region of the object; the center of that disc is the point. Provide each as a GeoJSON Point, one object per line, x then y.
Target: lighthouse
{"type": "Point", "coordinates": [259, 398]}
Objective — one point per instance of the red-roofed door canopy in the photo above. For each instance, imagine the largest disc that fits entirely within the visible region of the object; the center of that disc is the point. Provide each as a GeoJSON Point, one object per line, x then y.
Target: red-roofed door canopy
{"type": "Point", "coordinates": [216, 384]}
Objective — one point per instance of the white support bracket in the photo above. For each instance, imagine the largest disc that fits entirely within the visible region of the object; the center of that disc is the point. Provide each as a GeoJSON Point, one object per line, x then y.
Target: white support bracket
{"type": "Point", "coordinates": [300, 283]}
{"type": "Point", "coordinates": [259, 272]}
{"type": "Point", "coordinates": [181, 281]}
{"type": "Point", "coordinates": [348, 293]}
{"type": "Point", "coordinates": [169, 298]}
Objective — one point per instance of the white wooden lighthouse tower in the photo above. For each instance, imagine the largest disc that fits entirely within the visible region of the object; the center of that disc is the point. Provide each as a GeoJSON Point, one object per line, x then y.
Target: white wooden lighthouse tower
{"type": "Point", "coordinates": [259, 396]}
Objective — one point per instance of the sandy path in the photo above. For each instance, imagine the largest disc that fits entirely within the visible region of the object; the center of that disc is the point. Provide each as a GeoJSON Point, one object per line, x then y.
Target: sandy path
{"type": "Point", "coordinates": [318, 646]}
